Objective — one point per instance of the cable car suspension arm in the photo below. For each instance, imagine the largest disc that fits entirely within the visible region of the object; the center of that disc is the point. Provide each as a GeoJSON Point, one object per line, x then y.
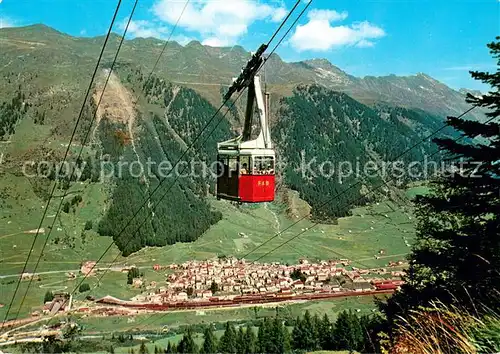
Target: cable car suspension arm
{"type": "Point", "coordinates": [247, 73]}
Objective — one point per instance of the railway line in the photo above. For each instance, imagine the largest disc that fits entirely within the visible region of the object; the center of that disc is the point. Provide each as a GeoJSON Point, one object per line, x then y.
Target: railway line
{"type": "Point", "coordinates": [235, 302]}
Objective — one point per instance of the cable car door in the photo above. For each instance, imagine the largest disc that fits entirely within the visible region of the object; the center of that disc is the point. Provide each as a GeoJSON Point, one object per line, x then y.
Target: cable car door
{"type": "Point", "coordinates": [227, 176]}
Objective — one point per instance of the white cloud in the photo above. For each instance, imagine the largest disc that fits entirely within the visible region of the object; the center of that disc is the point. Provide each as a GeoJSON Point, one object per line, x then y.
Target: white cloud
{"type": "Point", "coordinates": [222, 21]}
{"type": "Point", "coordinates": [144, 29]}
{"type": "Point", "coordinates": [319, 34]}
{"type": "Point", "coordinates": [364, 44]}
{"type": "Point", "coordinates": [326, 15]}
{"type": "Point", "coordinates": [181, 39]}
{"type": "Point", "coordinates": [280, 13]}
{"type": "Point", "coordinates": [5, 22]}
{"type": "Point", "coordinates": [147, 29]}
{"type": "Point", "coordinates": [215, 42]}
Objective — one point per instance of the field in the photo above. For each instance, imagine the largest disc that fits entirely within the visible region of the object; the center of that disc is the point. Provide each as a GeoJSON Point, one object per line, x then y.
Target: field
{"type": "Point", "coordinates": [164, 325]}
{"type": "Point", "coordinates": [162, 322]}
{"type": "Point", "coordinates": [244, 229]}
{"type": "Point", "coordinates": [372, 236]}
{"type": "Point", "coordinates": [383, 226]}
{"type": "Point", "coordinates": [417, 189]}
{"type": "Point", "coordinates": [261, 233]}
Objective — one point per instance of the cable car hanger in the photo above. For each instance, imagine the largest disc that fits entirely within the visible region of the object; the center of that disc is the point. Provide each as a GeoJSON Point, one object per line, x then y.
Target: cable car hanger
{"type": "Point", "coordinates": [248, 78]}
{"type": "Point", "coordinates": [242, 183]}
{"type": "Point", "coordinates": [248, 72]}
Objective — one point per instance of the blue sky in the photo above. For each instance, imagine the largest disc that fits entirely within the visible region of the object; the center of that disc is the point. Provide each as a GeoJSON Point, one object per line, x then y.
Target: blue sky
{"type": "Point", "coordinates": [442, 38]}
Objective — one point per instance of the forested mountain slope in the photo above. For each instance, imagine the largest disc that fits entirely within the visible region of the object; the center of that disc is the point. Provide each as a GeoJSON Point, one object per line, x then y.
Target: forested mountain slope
{"type": "Point", "coordinates": [46, 73]}
{"type": "Point", "coordinates": [328, 140]}
{"type": "Point", "coordinates": [178, 211]}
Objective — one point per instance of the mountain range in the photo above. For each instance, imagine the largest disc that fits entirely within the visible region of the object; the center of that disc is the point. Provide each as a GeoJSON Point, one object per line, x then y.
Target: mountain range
{"type": "Point", "coordinates": [195, 63]}
{"type": "Point", "coordinates": [316, 108]}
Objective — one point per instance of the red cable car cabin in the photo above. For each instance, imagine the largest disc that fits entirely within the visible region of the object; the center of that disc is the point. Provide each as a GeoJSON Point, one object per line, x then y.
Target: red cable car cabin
{"type": "Point", "coordinates": [246, 168]}
{"type": "Point", "coordinates": [245, 177]}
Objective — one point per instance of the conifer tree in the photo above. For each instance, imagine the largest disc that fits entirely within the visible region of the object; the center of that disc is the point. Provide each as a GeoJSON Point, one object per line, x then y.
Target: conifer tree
{"type": "Point", "coordinates": [287, 340]}
{"type": "Point", "coordinates": [309, 332]}
{"type": "Point", "coordinates": [175, 348]}
{"type": "Point", "coordinates": [240, 340]}
{"type": "Point", "coordinates": [250, 340]}
{"type": "Point", "coordinates": [304, 334]}
{"type": "Point", "coordinates": [87, 170]}
{"type": "Point", "coordinates": [168, 349]}
{"type": "Point", "coordinates": [209, 341]}
{"type": "Point", "coordinates": [143, 349]}
{"type": "Point", "coordinates": [316, 330]}
{"type": "Point", "coordinates": [348, 333]}
{"type": "Point", "coordinates": [297, 335]}
{"type": "Point", "coordinates": [372, 325]}
{"type": "Point", "coordinates": [227, 343]}
{"type": "Point", "coordinates": [456, 258]}
{"type": "Point", "coordinates": [276, 337]}
{"type": "Point", "coordinates": [263, 341]}
{"type": "Point", "coordinates": [187, 344]}
{"type": "Point", "coordinates": [49, 296]}
{"type": "Point", "coordinates": [279, 337]}
{"type": "Point", "coordinates": [325, 333]}
{"type": "Point", "coordinates": [214, 287]}
{"type": "Point", "coordinates": [171, 348]}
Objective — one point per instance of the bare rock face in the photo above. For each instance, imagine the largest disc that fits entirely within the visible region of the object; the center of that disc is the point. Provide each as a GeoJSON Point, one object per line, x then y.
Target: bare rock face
{"type": "Point", "coordinates": [297, 208]}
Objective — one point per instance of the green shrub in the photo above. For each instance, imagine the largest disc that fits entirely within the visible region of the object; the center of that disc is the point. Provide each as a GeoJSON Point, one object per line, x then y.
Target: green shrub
{"type": "Point", "coordinates": [84, 287]}
{"type": "Point", "coordinates": [49, 296]}
{"type": "Point", "coordinates": [88, 225]}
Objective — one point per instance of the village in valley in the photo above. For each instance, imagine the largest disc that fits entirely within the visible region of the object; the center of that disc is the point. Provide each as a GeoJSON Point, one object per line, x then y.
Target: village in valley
{"type": "Point", "coordinates": [216, 283]}
{"type": "Point", "coordinates": [229, 281]}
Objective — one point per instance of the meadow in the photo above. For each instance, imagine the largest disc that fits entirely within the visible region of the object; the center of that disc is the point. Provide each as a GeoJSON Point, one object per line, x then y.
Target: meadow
{"type": "Point", "coordinates": [159, 329]}
{"type": "Point", "coordinates": [249, 232]}
{"type": "Point", "coordinates": [374, 234]}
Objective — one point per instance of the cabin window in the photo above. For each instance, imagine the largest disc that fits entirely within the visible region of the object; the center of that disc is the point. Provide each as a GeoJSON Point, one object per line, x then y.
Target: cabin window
{"type": "Point", "coordinates": [244, 165]}
{"type": "Point", "coordinates": [233, 165]}
{"type": "Point", "coordinates": [263, 165]}
{"type": "Point", "coordinates": [223, 160]}
{"type": "Point", "coordinates": [222, 165]}
{"type": "Point", "coordinates": [269, 164]}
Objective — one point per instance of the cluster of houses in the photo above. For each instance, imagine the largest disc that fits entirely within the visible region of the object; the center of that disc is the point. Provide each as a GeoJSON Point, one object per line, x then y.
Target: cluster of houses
{"type": "Point", "coordinates": [29, 276]}
{"type": "Point", "coordinates": [229, 277]}
{"type": "Point", "coordinates": [60, 302]}
{"type": "Point", "coordinates": [88, 268]}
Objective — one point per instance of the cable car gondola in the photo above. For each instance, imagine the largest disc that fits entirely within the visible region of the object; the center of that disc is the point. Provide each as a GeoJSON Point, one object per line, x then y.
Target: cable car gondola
{"type": "Point", "coordinates": [246, 168]}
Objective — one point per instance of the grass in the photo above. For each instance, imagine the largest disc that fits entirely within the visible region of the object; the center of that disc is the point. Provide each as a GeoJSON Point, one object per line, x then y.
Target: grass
{"type": "Point", "coordinates": [170, 320]}
{"type": "Point", "coordinates": [359, 237]}
{"type": "Point", "coordinates": [332, 352]}
{"type": "Point", "coordinates": [198, 338]}
{"type": "Point", "coordinates": [163, 342]}
{"type": "Point", "coordinates": [418, 189]}
{"type": "Point", "coordinates": [442, 328]}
